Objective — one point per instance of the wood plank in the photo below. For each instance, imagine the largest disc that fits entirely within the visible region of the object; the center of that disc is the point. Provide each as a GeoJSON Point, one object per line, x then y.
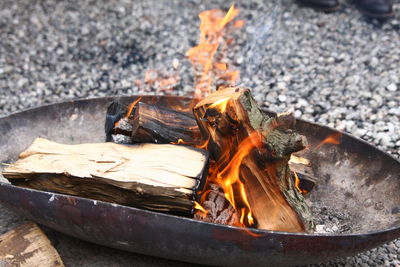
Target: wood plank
{"type": "Point", "coordinates": [27, 246]}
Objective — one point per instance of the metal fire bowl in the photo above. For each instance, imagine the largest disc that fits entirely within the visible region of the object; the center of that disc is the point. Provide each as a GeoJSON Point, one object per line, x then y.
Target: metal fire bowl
{"type": "Point", "coordinates": [353, 176]}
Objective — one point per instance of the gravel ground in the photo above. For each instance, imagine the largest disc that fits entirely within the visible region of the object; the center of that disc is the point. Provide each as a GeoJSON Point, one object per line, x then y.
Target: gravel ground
{"type": "Point", "coordinates": [340, 69]}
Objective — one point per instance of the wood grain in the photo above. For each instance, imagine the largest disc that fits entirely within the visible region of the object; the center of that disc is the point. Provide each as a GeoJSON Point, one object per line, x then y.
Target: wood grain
{"type": "Point", "coordinates": [158, 177]}
{"type": "Point", "coordinates": [27, 246]}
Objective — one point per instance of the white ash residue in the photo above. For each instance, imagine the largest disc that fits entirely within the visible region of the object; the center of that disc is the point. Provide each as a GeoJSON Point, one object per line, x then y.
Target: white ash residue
{"type": "Point", "coordinates": [331, 221]}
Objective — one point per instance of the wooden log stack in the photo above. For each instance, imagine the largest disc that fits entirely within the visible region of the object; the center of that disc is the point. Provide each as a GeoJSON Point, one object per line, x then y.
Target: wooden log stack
{"type": "Point", "coordinates": [156, 177]}
{"type": "Point", "coordinates": [251, 183]}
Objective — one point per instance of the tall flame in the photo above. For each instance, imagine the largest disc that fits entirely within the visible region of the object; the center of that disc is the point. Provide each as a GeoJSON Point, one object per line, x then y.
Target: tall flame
{"type": "Point", "coordinates": [203, 55]}
{"type": "Point", "coordinates": [210, 66]}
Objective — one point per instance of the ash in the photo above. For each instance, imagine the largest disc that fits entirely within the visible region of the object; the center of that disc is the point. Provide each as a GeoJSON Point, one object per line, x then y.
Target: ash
{"type": "Point", "coordinates": [329, 220]}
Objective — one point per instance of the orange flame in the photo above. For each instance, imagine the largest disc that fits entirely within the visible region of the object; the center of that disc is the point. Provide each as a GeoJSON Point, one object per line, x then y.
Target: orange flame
{"type": "Point", "coordinates": [204, 145]}
{"type": "Point", "coordinates": [230, 182]}
{"type": "Point", "coordinates": [220, 66]}
{"type": "Point", "coordinates": [129, 112]}
{"type": "Point", "coordinates": [132, 106]}
{"type": "Point", "coordinates": [334, 139]}
{"type": "Point", "coordinates": [239, 24]}
{"type": "Point", "coordinates": [297, 184]}
{"type": "Point", "coordinates": [180, 142]}
{"type": "Point", "coordinates": [220, 104]}
{"type": "Point", "coordinates": [197, 206]}
{"type": "Point", "coordinates": [203, 55]}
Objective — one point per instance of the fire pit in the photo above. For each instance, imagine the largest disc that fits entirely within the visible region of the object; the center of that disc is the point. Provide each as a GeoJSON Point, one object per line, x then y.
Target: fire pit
{"type": "Point", "coordinates": [353, 178]}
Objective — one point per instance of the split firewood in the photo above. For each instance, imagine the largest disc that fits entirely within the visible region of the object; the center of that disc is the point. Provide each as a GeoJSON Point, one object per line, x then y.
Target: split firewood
{"type": "Point", "coordinates": [231, 121]}
{"type": "Point", "coordinates": [151, 176]}
{"type": "Point", "coordinates": [143, 123]}
{"type": "Point", "coordinates": [27, 246]}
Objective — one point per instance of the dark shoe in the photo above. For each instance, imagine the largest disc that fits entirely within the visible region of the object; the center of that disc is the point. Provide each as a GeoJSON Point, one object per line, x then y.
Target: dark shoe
{"type": "Point", "coordinates": [375, 8]}
{"type": "Point", "coordinates": [325, 5]}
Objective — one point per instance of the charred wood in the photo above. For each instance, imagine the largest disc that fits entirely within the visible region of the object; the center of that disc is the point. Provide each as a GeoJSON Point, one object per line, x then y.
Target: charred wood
{"type": "Point", "coordinates": [150, 124]}
{"type": "Point", "coordinates": [218, 209]}
{"type": "Point", "coordinates": [228, 118]}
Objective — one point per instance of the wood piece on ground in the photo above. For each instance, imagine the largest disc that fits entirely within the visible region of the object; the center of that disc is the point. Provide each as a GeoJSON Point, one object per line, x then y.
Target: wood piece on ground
{"type": "Point", "coordinates": [156, 177]}
{"type": "Point", "coordinates": [227, 118]}
{"type": "Point", "coordinates": [151, 124]}
{"type": "Point", "coordinates": [27, 246]}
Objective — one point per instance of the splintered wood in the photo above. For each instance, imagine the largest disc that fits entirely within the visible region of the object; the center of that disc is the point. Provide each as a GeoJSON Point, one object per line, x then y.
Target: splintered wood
{"type": "Point", "coordinates": [156, 177]}
{"type": "Point", "coordinates": [231, 120]}
{"type": "Point", "coordinates": [27, 246]}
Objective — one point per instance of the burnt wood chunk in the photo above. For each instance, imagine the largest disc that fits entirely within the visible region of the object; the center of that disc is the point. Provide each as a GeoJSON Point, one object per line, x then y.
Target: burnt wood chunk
{"type": "Point", "coordinates": [218, 209]}
{"type": "Point", "coordinates": [231, 120]}
{"type": "Point", "coordinates": [146, 123]}
{"type": "Point", "coordinates": [115, 112]}
{"type": "Point", "coordinates": [27, 246]}
{"type": "Point", "coordinates": [156, 177]}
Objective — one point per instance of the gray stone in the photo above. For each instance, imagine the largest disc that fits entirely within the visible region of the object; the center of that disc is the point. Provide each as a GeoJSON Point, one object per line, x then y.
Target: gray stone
{"type": "Point", "coordinates": [392, 87]}
{"type": "Point", "coordinates": [282, 98]}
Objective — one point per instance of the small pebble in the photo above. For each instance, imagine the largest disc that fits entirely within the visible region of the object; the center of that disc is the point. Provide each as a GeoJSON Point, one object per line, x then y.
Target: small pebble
{"type": "Point", "coordinates": [392, 87]}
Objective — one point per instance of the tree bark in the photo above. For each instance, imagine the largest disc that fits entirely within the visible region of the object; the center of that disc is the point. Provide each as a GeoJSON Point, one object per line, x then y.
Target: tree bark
{"type": "Point", "coordinates": [231, 119]}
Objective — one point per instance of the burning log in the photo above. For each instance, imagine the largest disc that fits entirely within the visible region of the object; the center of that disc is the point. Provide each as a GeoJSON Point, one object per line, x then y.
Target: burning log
{"type": "Point", "coordinates": [252, 152]}
{"type": "Point", "coordinates": [155, 177]}
{"type": "Point", "coordinates": [145, 123]}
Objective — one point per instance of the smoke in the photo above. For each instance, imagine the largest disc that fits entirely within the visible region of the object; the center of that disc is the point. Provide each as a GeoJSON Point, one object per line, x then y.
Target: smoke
{"type": "Point", "coordinates": [261, 41]}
